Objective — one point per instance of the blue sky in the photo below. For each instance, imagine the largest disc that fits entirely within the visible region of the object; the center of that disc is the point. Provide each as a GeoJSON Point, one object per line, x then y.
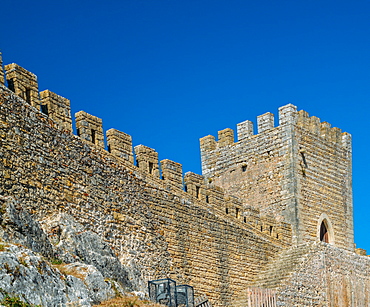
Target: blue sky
{"type": "Point", "coordinates": [171, 71]}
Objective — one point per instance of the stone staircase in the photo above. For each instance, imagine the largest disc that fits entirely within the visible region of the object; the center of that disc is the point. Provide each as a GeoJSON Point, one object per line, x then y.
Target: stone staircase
{"type": "Point", "coordinates": [282, 266]}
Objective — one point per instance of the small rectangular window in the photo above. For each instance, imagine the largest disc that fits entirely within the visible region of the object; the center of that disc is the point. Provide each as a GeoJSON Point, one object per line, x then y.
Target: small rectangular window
{"type": "Point", "coordinates": [28, 95]}
{"type": "Point", "coordinates": [93, 136]}
{"type": "Point", "coordinates": [45, 109]}
{"type": "Point", "coordinates": [151, 166]}
{"type": "Point", "coordinates": [197, 192]}
{"type": "Point", "coordinates": [11, 85]}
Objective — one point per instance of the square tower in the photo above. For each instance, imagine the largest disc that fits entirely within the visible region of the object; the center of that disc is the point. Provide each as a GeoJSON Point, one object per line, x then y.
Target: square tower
{"type": "Point", "coordinates": [300, 172]}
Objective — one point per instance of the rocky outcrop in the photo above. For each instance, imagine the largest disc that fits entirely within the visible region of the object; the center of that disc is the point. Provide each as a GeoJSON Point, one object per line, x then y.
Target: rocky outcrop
{"type": "Point", "coordinates": [72, 243]}
{"type": "Point", "coordinates": [55, 262]}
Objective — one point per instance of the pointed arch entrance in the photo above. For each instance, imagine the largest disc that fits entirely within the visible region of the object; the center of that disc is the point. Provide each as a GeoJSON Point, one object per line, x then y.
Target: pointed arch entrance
{"type": "Point", "coordinates": [324, 235]}
{"type": "Point", "coordinates": [325, 231]}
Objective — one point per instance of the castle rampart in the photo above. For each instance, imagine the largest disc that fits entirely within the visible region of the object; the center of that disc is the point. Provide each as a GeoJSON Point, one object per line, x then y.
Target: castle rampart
{"type": "Point", "coordinates": [164, 233]}
{"type": "Point", "coordinates": [218, 231]}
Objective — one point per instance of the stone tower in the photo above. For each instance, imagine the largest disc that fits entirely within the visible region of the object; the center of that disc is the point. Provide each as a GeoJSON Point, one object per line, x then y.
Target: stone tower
{"type": "Point", "coordinates": [300, 172]}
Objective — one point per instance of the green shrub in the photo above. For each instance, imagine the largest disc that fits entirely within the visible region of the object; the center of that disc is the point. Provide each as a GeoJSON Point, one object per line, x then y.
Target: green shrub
{"type": "Point", "coordinates": [14, 302]}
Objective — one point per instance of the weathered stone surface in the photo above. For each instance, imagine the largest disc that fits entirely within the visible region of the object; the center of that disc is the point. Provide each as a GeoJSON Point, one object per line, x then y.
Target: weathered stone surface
{"type": "Point", "coordinates": [96, 273]}
{"type": "Point", "coordinates": [328, 276]}
{"type": "Point", "coordinates": [73, 243]}
{"type": "Point", "coordinates": [26, 275]}
{"type": "Point", "coordinates": [18, 226]}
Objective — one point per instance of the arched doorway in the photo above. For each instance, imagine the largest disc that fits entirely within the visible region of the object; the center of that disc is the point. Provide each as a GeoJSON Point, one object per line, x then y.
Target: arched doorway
{"type": "Point", "coordinates": [324, 234]}
{"type": "Point", "coordinates": [325, 231]}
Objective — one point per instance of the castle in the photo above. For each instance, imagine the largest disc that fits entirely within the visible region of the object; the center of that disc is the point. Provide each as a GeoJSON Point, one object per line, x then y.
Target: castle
{"type": "Point", "coordinates": [271, 211]}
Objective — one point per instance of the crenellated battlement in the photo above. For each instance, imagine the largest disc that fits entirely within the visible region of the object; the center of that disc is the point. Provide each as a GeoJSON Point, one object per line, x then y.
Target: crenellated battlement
{"type": "Point", "coordinates": [256, 169]}
{"type": "Point", "coordinates": [120, 144]}
{"type": "Point", "coordinates": [172, 172]}
{"type": "Point", "coordinates": [323, 129]}
{"type": "Point", "coordinates": [147, 159]}
{"type": "Point", "coordinates": [288, 114]}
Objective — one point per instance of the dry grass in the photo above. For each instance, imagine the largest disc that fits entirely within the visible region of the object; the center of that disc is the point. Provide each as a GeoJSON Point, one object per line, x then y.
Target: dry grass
{"type": "Point", "coordinates": [128, 302]}
{"type": "Point", "coordinates": [70, 271]}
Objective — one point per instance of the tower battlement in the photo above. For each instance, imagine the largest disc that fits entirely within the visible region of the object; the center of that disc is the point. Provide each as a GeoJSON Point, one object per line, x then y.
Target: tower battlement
{"type": "Point", "coordinates": [288, 114]}
{"type": "Point", "coordinates": [278, 169]}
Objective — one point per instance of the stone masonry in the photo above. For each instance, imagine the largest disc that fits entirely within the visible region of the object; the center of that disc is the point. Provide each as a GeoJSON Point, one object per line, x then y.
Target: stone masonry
{"type": "Point", "coordinates": [299, 172]}
{"type": "Point", "coordinates": [221, 232]}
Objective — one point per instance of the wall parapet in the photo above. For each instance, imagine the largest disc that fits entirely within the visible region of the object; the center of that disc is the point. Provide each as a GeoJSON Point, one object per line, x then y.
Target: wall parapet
{"type": "Point", "coordinates": [288, 115]}
{"type": "Point", "coordinates": [323, 129]}
{"type": "Point", "coordinates": [90, 129]}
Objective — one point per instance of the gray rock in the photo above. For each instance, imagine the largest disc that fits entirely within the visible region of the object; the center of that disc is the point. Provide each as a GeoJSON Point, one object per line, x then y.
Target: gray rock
{"type": "Point", "coordinates": [89, 272]}
{"type": "Point", "coordinates": [18, 226]}
{"type": "Point", "coordinates": [28, 276]}
{"type": "Point", "coordinates": [75, 244]}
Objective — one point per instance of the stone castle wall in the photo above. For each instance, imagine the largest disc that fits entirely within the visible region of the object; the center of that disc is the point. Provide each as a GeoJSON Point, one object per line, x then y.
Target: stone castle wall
{"type": "Point", "coordinates": [154, 226]}
{"type": "Point", "coordinates": [216, 232]}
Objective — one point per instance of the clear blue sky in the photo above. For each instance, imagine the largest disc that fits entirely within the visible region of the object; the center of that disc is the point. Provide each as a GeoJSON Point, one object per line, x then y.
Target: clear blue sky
{"type": "Point", "coordinates": [171, 71]}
